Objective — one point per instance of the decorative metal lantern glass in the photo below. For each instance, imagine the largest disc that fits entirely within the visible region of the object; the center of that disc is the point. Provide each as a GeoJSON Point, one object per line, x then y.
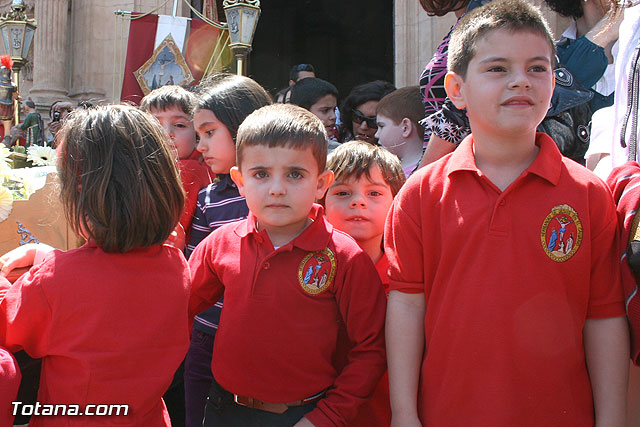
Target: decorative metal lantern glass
{"type": "Point", "coordinates": [17, 33]}
{"type": "Point", "coordinates": [242, 19]}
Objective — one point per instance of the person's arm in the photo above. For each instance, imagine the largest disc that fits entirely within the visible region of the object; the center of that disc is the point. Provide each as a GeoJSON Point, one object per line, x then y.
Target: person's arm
{"type": "Point", "coordinates": [405, 350]}
{"type": "Point", "coordinates": [606, 346]}
{"type": "Point", "coordinates": [23, 256]}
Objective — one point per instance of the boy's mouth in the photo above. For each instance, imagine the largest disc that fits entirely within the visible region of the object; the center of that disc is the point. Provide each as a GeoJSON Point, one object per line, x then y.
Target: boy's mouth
{"type": "Point", "coordinates": [356, 218]}
{"type": "Point", "coordinates": [518, 101]}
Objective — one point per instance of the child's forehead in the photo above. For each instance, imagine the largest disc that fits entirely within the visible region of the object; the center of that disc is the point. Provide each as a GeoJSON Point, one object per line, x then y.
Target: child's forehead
{"type": "Point", "coordinates": [169, 111]}
{"type": "Point", "coordinates": [494, 41]}
{"type": "Point", "coordinates": [371, 176]}
{"type": "Point", "coordinates": [285, 154]}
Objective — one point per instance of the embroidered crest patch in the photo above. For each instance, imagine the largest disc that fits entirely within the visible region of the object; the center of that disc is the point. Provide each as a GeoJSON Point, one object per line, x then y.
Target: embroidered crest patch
{"type": "Point", "coordinates": [316, 271]}
{"type": "Point", "coordinates": [561, 233]}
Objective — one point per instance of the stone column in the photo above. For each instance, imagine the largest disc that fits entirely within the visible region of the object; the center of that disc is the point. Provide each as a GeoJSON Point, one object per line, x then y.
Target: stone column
{"type": "Point", "coordinates": [92, 24]}
{"type": "Point", "coordinates": [51, 53]}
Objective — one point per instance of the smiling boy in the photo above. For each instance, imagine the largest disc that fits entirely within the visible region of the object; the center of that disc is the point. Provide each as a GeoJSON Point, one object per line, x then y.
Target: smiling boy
{"type": "Point", "coordinates": [506, 319]}
{"type": "Point", "coordinates": [289, 278]}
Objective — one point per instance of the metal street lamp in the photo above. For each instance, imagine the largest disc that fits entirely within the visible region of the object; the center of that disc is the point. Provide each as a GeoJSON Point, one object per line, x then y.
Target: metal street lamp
{"type": "Point", "coordinates": [242, 18]}
{"type": "Point", "coordinates": [17, 32]}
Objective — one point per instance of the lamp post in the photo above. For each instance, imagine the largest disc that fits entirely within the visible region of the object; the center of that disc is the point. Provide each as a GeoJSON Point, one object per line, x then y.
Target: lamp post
{"type": "Point", "coordinates": [17, 32]}
{"type": "Point", "coordinates": [242, 18]}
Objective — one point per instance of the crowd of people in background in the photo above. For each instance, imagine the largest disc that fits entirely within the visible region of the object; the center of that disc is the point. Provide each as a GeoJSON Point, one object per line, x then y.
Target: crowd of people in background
{"type": "Point", "coordinates": [243, 252]}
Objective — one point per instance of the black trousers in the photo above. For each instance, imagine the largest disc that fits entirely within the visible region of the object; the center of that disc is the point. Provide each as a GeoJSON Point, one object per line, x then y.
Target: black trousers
{"type": "Point", "coordinates": [222, 411]}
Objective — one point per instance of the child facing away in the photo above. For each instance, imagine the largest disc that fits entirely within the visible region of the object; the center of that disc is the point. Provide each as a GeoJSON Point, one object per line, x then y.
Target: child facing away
{"type": "Point", "coordinates": [226, 100]}
{"type": "Point", "coordinates": [321, 98]}
{"type": "Point", "coordinates": [367, 178]}
{"type": "Point", "coordinates": [397, 116]}
{"type": "Point", "coordinates": [289, 279]}
{"type": "Point", "coordinates": [504, 278]}
{"type": "Point", "coordinates": [109, 318]}
{"type": "Point", "coordinates": [9, 384]}
{"type": "Point", "coordinates": [173, 107]}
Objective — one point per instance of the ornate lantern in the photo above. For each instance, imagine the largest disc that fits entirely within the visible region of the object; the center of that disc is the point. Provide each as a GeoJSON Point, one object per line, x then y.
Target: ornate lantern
{"type": "Point", "coordinates": [242, 18]}
{"type": "Point", "coordinates": [17, 32]}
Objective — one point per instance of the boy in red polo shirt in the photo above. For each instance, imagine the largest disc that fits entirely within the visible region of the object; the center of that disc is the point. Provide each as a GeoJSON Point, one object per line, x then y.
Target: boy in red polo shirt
{"type": "Point", "coordinates": [289, 279]}
{"type": "Point", "coordinates": [367, 178]}
{"type": "Point", "coordinates": [506, 306]}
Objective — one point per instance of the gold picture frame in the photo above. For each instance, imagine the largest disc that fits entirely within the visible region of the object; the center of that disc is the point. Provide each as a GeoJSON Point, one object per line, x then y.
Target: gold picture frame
{"type": "Point", "coordinates": [166, 66]}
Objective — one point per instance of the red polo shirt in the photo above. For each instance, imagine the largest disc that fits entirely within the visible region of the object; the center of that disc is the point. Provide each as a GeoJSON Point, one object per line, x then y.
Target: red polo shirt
{"type": "Point", "coordinates": [281, 313]}
{"type": "Point", "coordinates": [509, 278]}
{"type": "Point", "coordinates": [111, 329]}
{"type": "Point", "coordinates": [194, 176]}
{"type": "Point", "coordinates": [9, 383]}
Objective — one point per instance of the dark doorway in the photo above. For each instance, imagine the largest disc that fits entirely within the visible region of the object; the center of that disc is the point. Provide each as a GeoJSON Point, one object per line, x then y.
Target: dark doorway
{"type": "Point", "coordinates": [347, 41]}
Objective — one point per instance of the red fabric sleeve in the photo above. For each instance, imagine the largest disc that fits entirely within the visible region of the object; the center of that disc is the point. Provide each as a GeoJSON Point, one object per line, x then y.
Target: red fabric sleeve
{"type": "Point", "coordinates": [206, 287]}
{"type": "Point", "coordinates": [403, 243]}
{"type": "Point", "coordinates": [9, 383]}
{"type": "Point", "coordinates": [362, 304]}
{"type": "Point", "coordinates": [26, 315]}
{"type": "Point", "coordinates": [194, 178]}
{"type": "Point", "coordinates": [606, 297]}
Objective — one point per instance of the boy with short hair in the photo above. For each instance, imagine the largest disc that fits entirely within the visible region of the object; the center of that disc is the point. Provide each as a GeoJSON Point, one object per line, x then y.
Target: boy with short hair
{"type": "Point", "coordinates": [398, 131]}
{"type": "Point", "coordinates": [321, 98]}
{"type": "Point", "coordinates": [367, 178]}
{"type": "Point", "coordinates": [504, 277]}
{"type": "Point", "coordinates": [288, 279]}
{"type": "Point", "coordinates": [173, 107]}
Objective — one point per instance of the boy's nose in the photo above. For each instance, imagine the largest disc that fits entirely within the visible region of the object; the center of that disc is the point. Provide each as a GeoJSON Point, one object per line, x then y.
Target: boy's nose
{"type": "Point", "coordinates": [520, 79]}
{"type": "Point", "coordinates": [358, 201]}
{"type": "Point", "coordinates": [277, 187]}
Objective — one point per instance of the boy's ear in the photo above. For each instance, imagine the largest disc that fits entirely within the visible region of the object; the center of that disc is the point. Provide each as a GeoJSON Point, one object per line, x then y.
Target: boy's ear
{"type": "Point", "coordinates": [236, 176]}
{"type": "Point", "coordinates": [325, 179]}
{"type": "Point", "coordinates": [454, 85]}
{"type": "Point", "coordinates": [407, 127]}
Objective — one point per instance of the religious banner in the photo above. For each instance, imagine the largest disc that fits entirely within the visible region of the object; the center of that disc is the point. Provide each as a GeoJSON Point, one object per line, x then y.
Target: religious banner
{"type": "Point", "coordinates": [165, 67]}
{"type": "Point", "coordinates": [202, 48]}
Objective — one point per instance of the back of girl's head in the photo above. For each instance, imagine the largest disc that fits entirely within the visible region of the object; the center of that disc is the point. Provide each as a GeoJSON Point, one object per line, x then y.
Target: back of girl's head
{"type": "Point", "coordinates": [310, 90]}
{"type": "Point", "coordinates": [120, 184]}
{"type": "Point", "coordinates": [232, 98]}
{"type": "Point", "coordinates": [569, 8]}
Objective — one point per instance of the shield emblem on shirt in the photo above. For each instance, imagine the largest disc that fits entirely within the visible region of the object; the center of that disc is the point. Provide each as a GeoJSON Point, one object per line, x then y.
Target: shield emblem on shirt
{"type": "Point", "coordinates": [316, 271]}
{"type": "Point", "coordinates": [561, 233]}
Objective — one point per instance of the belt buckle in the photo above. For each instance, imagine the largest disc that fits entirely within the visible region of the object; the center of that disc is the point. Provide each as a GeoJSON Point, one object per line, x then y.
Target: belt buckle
{"type": "Point", "coordinates": [240, 400]}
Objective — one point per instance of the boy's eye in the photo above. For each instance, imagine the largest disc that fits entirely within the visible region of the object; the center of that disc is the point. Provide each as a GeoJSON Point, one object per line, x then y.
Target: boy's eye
{"type": "Point", "coordinates": [496, 69]}
{"type": "Point", "coordinates": [261, 174]}
{"type": "Point", "coordinates": [375, 193]}
{"type": "Point", "coordinates": [295, 174]}
{"type": "Point", "coordinates": [341, 193]}
{"type": "Point", "coordinates": [539, 68]}
{"type": "Point", "coordinates": [181, 125]}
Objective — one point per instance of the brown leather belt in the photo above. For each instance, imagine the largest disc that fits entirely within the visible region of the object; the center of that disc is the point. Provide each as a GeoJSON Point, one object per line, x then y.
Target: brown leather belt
{"type": "Point", "coordinates": [276, 408]}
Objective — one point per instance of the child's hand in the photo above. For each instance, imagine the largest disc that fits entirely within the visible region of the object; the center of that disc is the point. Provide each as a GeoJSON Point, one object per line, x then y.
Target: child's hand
{"type": "Point", "coordinates": [177, 237]}
{"type": "Point", "coordinates": [23, 256]}
{"type": "Point", "coordinates": [303, 423]}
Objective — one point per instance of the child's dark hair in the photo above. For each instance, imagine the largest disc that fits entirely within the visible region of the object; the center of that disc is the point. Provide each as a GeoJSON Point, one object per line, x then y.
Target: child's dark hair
{"type": "Point", "coordinates": [308, 91]}
{"type": "Point", "coordinates": [401, 103]}
{"type": "Point", "coordinates": [356, 158]}
{"type": "Point", "coordinates": [295, 71]}
{"type": "Point", "coordinates": [232, 98]}
{"type": "Point", "coordinates": [511, 15]}
{"type": "Point", "coordinates": [372, 91]}
{"type": "Point", "coordinates": [442, 7]}
{"type": "Point", "coordinates": [568, 8]}
{"type": "Point", "coordinates": [120, 185]}
{"type": "Point", "coordinates": [284, 125]}
{"type": "Point", "coordinates": [170, 96]}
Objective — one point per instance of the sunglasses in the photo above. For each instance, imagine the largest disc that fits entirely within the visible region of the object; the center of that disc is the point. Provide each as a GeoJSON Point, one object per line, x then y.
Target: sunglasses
{"type": "Point", "coordinates": [358, 117]}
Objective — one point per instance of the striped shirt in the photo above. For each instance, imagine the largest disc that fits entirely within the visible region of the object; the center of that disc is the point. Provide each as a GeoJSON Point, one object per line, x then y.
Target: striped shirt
{"type": "Point", "coordinates": [218, 204]}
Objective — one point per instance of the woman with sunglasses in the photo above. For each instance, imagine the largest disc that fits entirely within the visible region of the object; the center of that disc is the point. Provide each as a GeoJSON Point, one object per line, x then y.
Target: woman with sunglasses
{"type": "Point", "coordinates": [358, 111]}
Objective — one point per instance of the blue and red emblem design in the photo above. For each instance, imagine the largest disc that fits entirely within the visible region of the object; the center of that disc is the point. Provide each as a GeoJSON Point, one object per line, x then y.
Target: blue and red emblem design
{"type": "Point", "coordinates": [316, 271]}
{"type": "Point", "coordinates": [561, 233]}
